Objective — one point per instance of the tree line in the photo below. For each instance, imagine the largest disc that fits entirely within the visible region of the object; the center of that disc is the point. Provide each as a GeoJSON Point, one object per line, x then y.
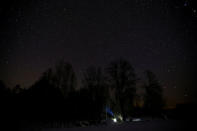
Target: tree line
{"type": "Point", "coordinates": [55, 96]}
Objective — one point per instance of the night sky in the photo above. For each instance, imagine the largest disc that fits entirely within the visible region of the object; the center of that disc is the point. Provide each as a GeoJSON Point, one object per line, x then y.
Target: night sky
{"type": "Point", "coordinates": [151, 34]}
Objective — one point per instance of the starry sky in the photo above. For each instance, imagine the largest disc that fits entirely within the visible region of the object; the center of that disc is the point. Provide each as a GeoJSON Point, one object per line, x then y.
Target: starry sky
{"type": "Point", "coordinates": [151, 34]}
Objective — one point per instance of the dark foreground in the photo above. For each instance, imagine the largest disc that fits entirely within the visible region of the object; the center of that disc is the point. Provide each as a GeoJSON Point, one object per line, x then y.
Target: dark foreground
{"type": "Point", "coordinates": [153, 125]}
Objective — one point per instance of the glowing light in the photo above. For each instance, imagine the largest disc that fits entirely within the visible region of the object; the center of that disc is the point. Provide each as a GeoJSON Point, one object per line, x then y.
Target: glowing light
{"type": "Point", "coordinates": [136, 119]}
{"type": "Point", "coordinates": [109, 111]}
{"type": "Point", "coordinates": [119, 117]}
{"type": "Point", "coordinates": [114, 120]}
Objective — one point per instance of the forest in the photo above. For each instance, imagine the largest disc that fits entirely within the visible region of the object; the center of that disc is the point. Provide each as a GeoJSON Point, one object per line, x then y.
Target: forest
{"type": "Point", "coordinates": [59, 97]}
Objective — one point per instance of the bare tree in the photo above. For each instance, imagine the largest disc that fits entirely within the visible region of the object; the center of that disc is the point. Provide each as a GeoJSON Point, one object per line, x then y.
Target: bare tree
{"type": "Point", "coordinates": [122, 78]}
{"type": "Point", "coordinates": [94, 81]}
{"type": "Point", "coordinates": [64, 78]}
{"type": "Point", "coordinates": [153, 102]}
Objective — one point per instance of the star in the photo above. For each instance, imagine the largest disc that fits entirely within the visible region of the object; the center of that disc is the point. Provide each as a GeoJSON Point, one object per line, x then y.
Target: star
{"type": "Point", "coordinates": [9, 50]}
{"type": "Point", "coordinates": [6, 62]}
{"type": "Point", "coordinates": [185, 95]}
{"type": "Point", "coordinates": [185, 4]}
{"type": "Point", "coordinates": [194, 12]}
{"type": "Point", "coordinates": [164, 87]}
{"type": "Point", "coordinates": [16, 20]}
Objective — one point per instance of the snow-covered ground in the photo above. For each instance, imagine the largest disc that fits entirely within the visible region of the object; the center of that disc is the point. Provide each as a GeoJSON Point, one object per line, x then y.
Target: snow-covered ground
{"type": "Point", "coordinates": [153, 125]}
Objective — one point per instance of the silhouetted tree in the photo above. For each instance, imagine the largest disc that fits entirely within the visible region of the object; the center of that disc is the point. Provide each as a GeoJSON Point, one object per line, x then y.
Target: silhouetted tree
{"type": "Point", "coordinates": [64, 78]}
{"type": "Point", "coordinates": [94, 82]}
{"type": "Point", "coordinates": [153, 102]}
{"type": "Point", "coordinates": [45, 99]}
{"type": "Point", "coordinates": [122, 78]}
{"type": "Point", "coordinates": [17, 89]}
{"type": "Point", "coordinates": [5, 96]}
{"type": "Point", "coordinates": [6, 117]}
